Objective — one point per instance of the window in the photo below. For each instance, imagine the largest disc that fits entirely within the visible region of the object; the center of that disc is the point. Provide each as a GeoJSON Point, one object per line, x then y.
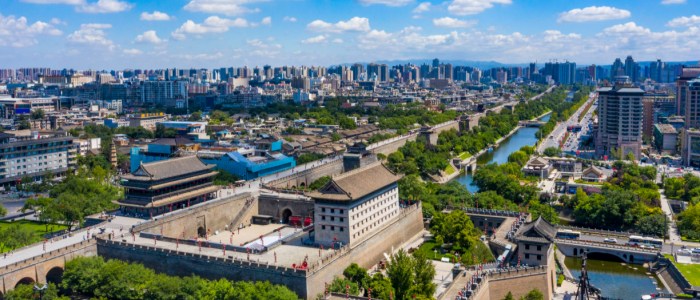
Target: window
{"type": "Point", "coordinates": [527, 255]}
{"type": "Point", "coordinates": [332, 228]}
{"type": "Point", "coordinates": [332, 210]}
{"type": "Point", "coordinates": [539, 248]}
{"type": "Point", "coordinates": [527, 247]}
{"type": "Point", "coordinates": [323, 218]}
{"type": "Point", "coordinates": [539, 257]}
{"type": "Point", "coordinates": [332, 218]}
{"type": "Point", "coordinates": [323, 209]}
{"type": "Point", "coordinates": [323, 227]}
{"type": "Point", "coordinates": [342, 229]}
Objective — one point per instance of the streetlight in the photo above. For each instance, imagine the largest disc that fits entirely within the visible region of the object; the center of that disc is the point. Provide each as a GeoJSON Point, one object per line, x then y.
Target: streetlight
{"type": "Point", "coordinates": [40, 290]}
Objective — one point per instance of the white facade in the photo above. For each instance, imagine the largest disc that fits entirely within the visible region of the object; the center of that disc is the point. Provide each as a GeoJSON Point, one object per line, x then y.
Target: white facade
{"type": "Point", "coordinates": [351, 222]}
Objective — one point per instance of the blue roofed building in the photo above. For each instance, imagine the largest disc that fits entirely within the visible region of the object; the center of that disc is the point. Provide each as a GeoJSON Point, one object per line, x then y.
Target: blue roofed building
{"type": "Point", "coordinates": [160, 149]}
{"type": "Point", "coordinates": [250, 163]}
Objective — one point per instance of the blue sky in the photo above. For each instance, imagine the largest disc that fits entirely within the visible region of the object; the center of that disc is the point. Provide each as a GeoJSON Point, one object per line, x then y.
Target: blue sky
{"type": "Point", "coordinates": [104, 34]}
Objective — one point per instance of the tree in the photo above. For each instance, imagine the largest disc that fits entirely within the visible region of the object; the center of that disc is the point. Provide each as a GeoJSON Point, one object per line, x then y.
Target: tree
{"type": "Point", "coordinates": [534, 294]}
{"type": "Point", "coordinates": [195, 116]}
{"type": "Point", "coordinates": [411, 187]}
{"type": "Point", "coordinates": [37, 114]}
{"type": "Point", "coordinates": [552, 152]}
{"type": "Point", "coordinates": [400, 273]}
{"type": "Point", "coordinates": [509, 296]}
{"type": "Point", "coordinates": [343, 285]}
{"type": "Point", "coordinates": [336, 136]}
{"type": "Point", "coordinates": [425, 272]}
{"type": "Point", "coordinates": [519, 157]}
{"type": "Point", "coordinates": [162, 132]}
{"type": "Point", "coordinates": [653, 225]}
{"type": "Point", "coordinates": [26, 291]}
{"type": "Point", "coordinates": [357, 275]}
{"type": "Point", "coordinates": [380, 286]}
{"type": "Point", "coordinates": [3, 211]}
{"type": "Point", "coordinates": [455, 228]}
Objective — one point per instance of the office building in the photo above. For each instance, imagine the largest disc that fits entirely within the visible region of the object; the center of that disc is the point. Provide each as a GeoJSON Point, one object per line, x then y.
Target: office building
{"type": "Point", "coordinates": [164, 93]}
{"type": "Point", "coordinates": [665, 138]}
{"type": "Point", "coordinates": [687, 74]}
{"type": "Point", "coordinates": [619, 120]}
{"type": "Point", "coordinates": [34, 156]}
{"type": "Point", "coordinates": [148, 121]}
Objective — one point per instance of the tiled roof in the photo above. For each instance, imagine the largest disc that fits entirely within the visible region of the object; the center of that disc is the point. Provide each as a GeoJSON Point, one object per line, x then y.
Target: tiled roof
{"type": "Point", "coordinates": [357, 183]}
{"type": "Point", "coordinates": [536, 229]}
{"type": "Point", "coordinates": [168, 169]}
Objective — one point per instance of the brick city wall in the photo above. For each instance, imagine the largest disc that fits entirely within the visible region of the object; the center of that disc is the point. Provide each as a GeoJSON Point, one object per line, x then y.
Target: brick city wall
{"type": "Point", "coordinates": [213, 215]}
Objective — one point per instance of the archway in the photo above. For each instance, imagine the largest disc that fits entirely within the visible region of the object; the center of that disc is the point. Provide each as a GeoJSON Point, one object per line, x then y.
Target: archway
{"type": "Point", "coordinates": [201, 232]}
{"type": "Point", "coordinates": [575, 252]}
{"type": "Point", "coordinates": [25, 280]}
{"type": "Point", "coordinates": [286, 213]}
{"type": "Point", "coordinates": [55, 275]}
{"type": "Point", "coordinates": [605, 256]}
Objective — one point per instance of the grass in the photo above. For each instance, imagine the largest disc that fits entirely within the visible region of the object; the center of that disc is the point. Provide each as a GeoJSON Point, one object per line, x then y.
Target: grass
{"type": "Point", "coordinates": [428, 248]}
{"type": "Point", "coordinates": [689, 271]}
{"type": "Point", "coordinates": [450, 169]}
{"type": "Point", "coordinates": [39, 230]}
{"type": "Point", "coordinates": [465, 155]}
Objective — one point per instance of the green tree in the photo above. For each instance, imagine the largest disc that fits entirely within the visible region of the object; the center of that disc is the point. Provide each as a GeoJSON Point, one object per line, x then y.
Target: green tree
{"type": "Point", "coordinates": [411, 187]}
{"type": "Point", "coordinates": [401, 274]}
{"type": "Point", "coordinates": [38, 114]}
{"type": "Point", "coordinates": [195, 116]}
{"type": "Point", "coordinates": [3, 211]}
{"type": "Point", "coordinates": [26, 291]}
{"type": "Point", "coordinates": [552, 152]}
{"type": "Point", "coordinates": [356, 274]}
{"type": "Point", "coordinates": [534, 294]}
{"type": "Point", "coordinates": [380, 286]}
{"type": "Point", "coordinates": [343, 285]}
{"type": "Point", "coordinates": [509, 296]}
{"type": "Point", "coordinates": [425, 272]}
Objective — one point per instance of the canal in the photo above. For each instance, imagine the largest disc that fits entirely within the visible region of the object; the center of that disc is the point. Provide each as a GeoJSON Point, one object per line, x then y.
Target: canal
{"type": "Point", "coordinates": [526, 136]}
{"type": "Point", "coordinates": [617, 280]}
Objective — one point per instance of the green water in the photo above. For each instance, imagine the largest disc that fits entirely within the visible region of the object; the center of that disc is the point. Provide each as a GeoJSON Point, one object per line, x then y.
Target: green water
{"type": "Point", "coordinates": [617, 280]}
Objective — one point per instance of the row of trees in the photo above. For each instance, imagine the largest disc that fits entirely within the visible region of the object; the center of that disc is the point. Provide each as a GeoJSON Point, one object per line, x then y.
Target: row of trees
{"type": "Point", "coordinates": [686, 188]}
{"type": "Point", "coordinates": [407, 277]}
{"type": "Point", "coordinates": [629, 200]}
{"type": "Point", "coordinates": [114, 279]}
{"type": "Point", "coordinates": [457, 230]}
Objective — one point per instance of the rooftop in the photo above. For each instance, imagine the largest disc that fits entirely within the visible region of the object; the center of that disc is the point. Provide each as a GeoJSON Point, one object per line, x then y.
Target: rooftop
{"type": "Point", "coordinates": [356, 184]}
{"type": "Point", "coordinates": [666, 128]}
{"type": "Point", "coordinates": [169, 168]}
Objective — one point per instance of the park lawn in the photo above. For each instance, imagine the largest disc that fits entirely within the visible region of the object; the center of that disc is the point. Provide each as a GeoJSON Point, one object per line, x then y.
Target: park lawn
{"type": "Point", "coordinates": [464, 155]}
{"type": "Point", "coordinates": [38, 228]}
{"type": "Point", "coordinates": [689, 271]}
{"type": "Point", "coordinates": [450, 169]}
{"type": "Point", "coordinates": [428, 248]}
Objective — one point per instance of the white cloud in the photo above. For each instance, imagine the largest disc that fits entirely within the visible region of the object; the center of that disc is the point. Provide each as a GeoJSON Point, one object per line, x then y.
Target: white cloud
{"type": "Point", "coordinates": [353, 24]}
{"type": "Point", "coordinates": [200, 56]}
{"type": "Point", "coordinates": [684, 21]}
{"type": "Point", "coordinates": [289, 19]}
{"type": "Point", "coordinates": [667, 2]}
{"type": "Point", "coordinates": [266, 21]}
{"type": "Point", "coordinates": [69, 2]}
{"type": "Point", "coordinates": [151, 37]}
{"type": "Point", "coordinates": [472, 7]}
{"type": "Point", "coordinates": [594, 13]}
{"type": "Point", "coordinates": [100, 6]}
{"type": "Point", "coordinates": [211, 24]}
{"type": "Point", "coordinates": [260, 48]}
{"type": "Point", "coordinates": [17, 32]}
{"type": "Point", "coordinates": [337, 41]}
{"type": "Point", "coordinates": [630, 28]}
{"type": "Point", "coordinates": [315, 39]}
{"type": "Point", "coordinates": [386, 2]}
{"type": "Point", "coordinates": [132, 52]}
{"type": "Point", "coordinates": [556, 35]}
{"type": "Point", "coordinates": [225, 7]}
{"type": "Point", "coordinates": [154, 16]}
{"type": "Point", "coordinates": [104, 6]}
{"type": "Point", "coordinates": [421, 8]}
{"type": "Point", "coordinates": [452, 22]}
{"type": "Point", "coordinates": [92, 34]}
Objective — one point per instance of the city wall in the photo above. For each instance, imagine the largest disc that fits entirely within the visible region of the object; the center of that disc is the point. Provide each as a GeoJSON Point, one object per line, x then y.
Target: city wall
{"type": "Point", "coordinates": [277, 205]}
{"type": "Point", "coordinates": [306, 177]}
{"type": "Point", "coordinates": [212, 215]}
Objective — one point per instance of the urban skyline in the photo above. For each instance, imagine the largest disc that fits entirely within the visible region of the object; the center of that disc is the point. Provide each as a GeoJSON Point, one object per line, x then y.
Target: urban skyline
{"type": "Point", "coordinates": [86, 34]}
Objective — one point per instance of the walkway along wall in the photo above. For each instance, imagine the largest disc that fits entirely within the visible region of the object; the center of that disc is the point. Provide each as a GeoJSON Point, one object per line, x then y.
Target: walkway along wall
{"type": "Point", "coordinates": [307, 284]}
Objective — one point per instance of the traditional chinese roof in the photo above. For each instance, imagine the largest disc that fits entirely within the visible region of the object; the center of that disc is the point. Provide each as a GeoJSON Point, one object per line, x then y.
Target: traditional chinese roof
{"type": "Point", "coordinates": [537, 231]}
{"type": "Point", "coordinates": [356, 184]}
{"type": "Point", "coordinates": [169, 168]}
{"type": "Point", "coordinates": [594, 170]}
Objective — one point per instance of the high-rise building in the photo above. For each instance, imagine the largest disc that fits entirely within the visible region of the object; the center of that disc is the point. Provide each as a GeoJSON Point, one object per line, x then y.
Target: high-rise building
{"type": "Point", "coordinates": [631, 69]}
{"type": "Point", "coordinates": [692, 103]}
{"type": "Point", "coordinates": [687, 74]}
{"type": "Point", "coordinates": [620, 120]}
{"type": "Point", "coordinates": [165, 93]}
{"type": "Point", "coordinates": [358, 72]}
{"type": "Point", "coordinates": [617, 69]}
{"type": "Point", "coordinates": [449, 72]}
{"type": "Point", "coordinates": [436, 63]}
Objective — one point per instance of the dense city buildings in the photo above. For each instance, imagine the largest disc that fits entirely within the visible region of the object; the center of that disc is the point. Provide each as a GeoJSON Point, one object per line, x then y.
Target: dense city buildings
{"type": "Point", "coordinates": [28, 154]}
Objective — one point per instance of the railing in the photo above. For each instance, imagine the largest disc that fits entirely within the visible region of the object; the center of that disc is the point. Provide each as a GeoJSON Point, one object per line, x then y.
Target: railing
{"type": "Point", "coordinates": [600, 231]}
{"type": "Point", "coordinates": [606, 245]}
{"type": "Point", "coordinates": [492, 212]}
{"type": "Point", "coordinates": [46, 256]}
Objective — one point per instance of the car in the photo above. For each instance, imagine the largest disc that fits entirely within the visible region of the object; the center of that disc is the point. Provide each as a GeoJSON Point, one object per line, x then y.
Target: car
{"type": "Point", "coordinates": [610, 240]}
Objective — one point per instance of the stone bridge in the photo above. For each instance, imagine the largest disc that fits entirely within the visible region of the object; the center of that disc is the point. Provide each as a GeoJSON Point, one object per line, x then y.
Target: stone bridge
{"type": "Point", "coordinates": [627, 254]}
{"type": "Point", "coordinates": [44, 268]}
{"type": "Point", "coordinates": [531, 123]}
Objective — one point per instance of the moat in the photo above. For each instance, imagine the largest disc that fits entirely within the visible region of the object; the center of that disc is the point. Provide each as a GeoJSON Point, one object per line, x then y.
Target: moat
{"type": "Point", "coordinates": [617, 280]}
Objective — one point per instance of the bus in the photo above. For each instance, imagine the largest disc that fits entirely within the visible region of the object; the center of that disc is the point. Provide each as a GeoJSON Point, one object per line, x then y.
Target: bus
{"type": "Point", "coordinates": [638, 241]}
{"type": "Point", "coordinates": [568, 234]}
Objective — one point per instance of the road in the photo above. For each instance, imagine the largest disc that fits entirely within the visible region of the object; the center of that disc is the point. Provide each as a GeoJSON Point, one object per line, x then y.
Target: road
{"type": "Point", "coordinates": [553, 139]}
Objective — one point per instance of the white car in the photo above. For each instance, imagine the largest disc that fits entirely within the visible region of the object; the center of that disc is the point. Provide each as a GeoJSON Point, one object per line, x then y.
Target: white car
{"type": "Point", "coordinates": [610, 240]}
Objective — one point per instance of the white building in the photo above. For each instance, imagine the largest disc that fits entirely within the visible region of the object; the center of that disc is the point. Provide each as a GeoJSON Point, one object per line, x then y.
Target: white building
{"type": "Point", "coordinates": [86, 145]}
{"type": "Point", "coordinates": [355, 204]}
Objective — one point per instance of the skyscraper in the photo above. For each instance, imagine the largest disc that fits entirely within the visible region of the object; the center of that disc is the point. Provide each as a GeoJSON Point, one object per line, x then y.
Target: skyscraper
{"type": "Point", "coordinates": [358, 72]}
{"type": "Point", "coordinates": [619, 120]}
{"type": "Point", "coordinates": [687, 74]}
{"type": "Point", "coordinates": [631, 69]}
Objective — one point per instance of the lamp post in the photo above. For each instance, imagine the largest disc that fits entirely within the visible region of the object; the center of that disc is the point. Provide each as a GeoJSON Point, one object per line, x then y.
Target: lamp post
{"type": "Point", "coordinates": [40, 290]}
